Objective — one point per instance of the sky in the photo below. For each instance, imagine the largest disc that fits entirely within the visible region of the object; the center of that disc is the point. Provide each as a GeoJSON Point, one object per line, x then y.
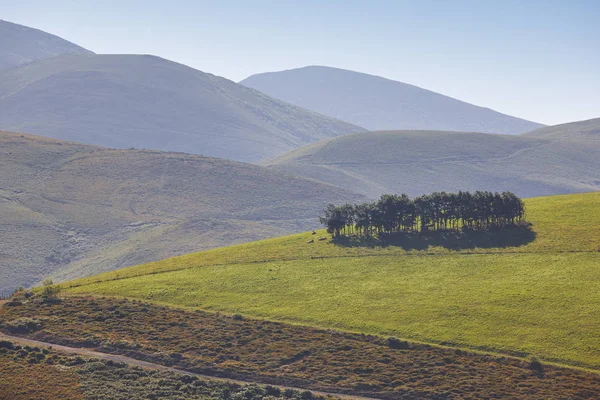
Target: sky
{"type": "Point", "coordinates": [538, 60]}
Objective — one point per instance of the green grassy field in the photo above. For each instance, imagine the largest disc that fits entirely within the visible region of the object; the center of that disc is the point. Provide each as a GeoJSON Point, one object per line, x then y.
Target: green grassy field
{"type": "Point", "coordinates": [539, 299]}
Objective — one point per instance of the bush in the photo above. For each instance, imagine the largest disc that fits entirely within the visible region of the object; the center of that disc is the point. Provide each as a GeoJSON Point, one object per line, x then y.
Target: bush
{"type": "Point", "coordinates": [396, 343]}
{"type": "Point", "coordinates": [536, 365]}
{"type": "Point", "coordinates": [50, 292]}
{"type": "Point", "coordinates": [24, 325]}
{"type": "Point", "coordinates": [5, 344]}
{"type": "Point", "coordinates": [93, 366]}
{"type": "Point", "coordinates": [273, 391]}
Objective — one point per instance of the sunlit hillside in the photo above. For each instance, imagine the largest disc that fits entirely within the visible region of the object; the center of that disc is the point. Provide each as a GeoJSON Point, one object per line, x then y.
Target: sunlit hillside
{"type": "Point", "coordinates": [536, 298]}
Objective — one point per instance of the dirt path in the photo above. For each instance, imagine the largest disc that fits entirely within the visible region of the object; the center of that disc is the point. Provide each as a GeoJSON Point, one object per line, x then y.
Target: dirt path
{"type": "Point", "coordinates": [149, 365]}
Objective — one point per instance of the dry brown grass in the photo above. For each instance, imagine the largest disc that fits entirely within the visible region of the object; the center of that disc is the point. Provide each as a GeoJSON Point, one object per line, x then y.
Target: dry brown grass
{"type": "Point", "coordinates": [298, 356]}
{"type": "Point", "coordinates": [74, 210]}
{"type": "Point", "coordinates": [20, 380]}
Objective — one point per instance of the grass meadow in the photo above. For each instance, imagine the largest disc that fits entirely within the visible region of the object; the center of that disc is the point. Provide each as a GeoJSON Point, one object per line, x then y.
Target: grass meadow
{"type": "Point", "coordinates": [538, 299]}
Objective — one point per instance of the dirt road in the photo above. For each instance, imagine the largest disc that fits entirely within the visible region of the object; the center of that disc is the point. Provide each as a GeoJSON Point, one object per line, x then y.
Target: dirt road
{"type": "Point", "coordinates": [145, 364]}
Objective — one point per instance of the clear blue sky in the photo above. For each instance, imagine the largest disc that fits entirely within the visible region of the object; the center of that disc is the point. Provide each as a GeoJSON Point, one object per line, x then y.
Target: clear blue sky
{"type": "Point", "coordinates": [534, 59]}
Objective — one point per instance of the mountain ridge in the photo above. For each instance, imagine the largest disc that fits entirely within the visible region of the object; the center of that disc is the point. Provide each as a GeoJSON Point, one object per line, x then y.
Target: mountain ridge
{"type": "Point", "coordinates": [20, 45]}
{"type": "Point", "coordinates": [378, 103]}
{"type": "Point", "coordinates": [105, 100]}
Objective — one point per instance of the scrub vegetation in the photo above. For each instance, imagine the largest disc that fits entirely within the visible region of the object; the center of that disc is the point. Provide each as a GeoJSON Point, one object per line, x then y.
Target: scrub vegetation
{"type": "Point", "coordinates": [267, 352]}
{"type": "Point", "coordinates": [38, 373]}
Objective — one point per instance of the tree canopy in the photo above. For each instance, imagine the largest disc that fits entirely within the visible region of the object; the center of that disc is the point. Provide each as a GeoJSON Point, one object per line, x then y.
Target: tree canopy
{"type": "Point", "coordinates": [436, 211]}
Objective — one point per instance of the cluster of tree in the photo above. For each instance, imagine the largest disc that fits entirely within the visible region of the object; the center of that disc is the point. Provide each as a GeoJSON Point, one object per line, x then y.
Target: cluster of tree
{"type": "Point", "coordinates": [436, 211]}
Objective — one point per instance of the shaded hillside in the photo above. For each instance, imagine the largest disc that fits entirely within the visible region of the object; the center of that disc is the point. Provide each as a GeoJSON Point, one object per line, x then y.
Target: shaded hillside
{"type": "Point", "coordinates": [419, 162]}
{"type": "Point", "coordinates": [381, 104]}
{"type": "Point", "coordinates": [580, 130]}
{"type": "Point", "coordinates": [139, 101]}
{"type": "Point", "coordinates": [21, 45]}
{"type": "Point", "coordinates": [73, 210]}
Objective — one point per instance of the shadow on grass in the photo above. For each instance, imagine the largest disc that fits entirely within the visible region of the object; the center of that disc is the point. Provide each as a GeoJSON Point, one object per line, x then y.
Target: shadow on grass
{"type": "Point", "coordinates": [513, 236]}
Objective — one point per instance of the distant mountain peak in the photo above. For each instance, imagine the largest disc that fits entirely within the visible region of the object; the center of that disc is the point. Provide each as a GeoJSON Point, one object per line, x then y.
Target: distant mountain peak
{"type": "Point", "coordinates": [21, 45]}
{"type": "Point", "coordinates": [379, 103]}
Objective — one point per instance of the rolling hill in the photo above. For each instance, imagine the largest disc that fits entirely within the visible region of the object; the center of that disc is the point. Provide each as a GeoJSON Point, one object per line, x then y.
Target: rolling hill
{"type": "Point", "coordinates": [481, 321]}
{"type": "Point", "coordinates": [377, 103]}
{"type": "Point", "coordinates": [70, 210]}
{"type": "Point", "coordinates": [21, 45]}
{"type": "Point", "coordinates": [535, 298]}
{"type": "Point", "coordinates": [417, 162]}
{"type": "Point", "coordinates": [146, 102]}
{"type": "Point", "coordinates": [580, 130]}
{"type": "Point", "coordinates": [54, 88]}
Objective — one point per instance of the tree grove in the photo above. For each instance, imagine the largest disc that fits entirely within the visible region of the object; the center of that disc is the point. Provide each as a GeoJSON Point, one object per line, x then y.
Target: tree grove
{"type": "Point", "coordinates": [436, 211]}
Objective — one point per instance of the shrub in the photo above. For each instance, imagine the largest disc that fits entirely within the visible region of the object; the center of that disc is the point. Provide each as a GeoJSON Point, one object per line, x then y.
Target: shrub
{"type": "Point", "coordinates": [24, 325]}
{"type": "Point", "coordinates": [396, 343]}
{"type": "Point", "coordinates": [238, 317]}
{"type": "Point", "coordinates": [273, 391]}
{"type": "Point", "coordinates": [5, 344]}
{"type": "Point", "coordinates": [50, 292]}
{"type": "Point", "coordinates": [536, 365]}
{"type": "Point", "coordinates": [93, 366]}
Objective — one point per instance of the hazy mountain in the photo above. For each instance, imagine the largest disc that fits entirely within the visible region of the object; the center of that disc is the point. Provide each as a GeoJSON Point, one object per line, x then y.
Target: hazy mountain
{"type": "Point", "coordinates": [72, 210]}
{"type": "Point", "coordinates": [418, 162]}
{"type": "Point", "coordinates": [21, 45]}
{"type": "Point", "coordinates": [381, 104]}
{"type": "Point", "coordinates": [148, 102]}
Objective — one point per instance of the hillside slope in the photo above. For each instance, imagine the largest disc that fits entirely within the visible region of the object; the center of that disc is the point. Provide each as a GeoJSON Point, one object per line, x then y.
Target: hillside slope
{"type": "Point", "coordinates": [73, 210]}
{"type": "Point", "coordinates": [124, 101]}
{"type": "Point", "coordinates": [381, 104]}
{"type": "Point", "coordinates": [533, 298]}
{"type": "Point", "coordinates": [418, 162]}
{"type": "Point", "coordinates": [20, 45]}
{"type": "Point", "coordinates": [583, 130]}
